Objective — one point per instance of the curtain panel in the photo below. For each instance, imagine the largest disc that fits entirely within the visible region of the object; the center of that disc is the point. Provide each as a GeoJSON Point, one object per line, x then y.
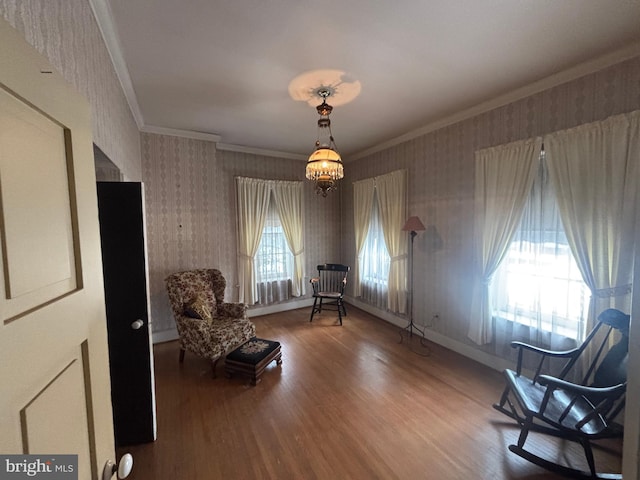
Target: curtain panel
{"type": "Point", "coordinates": [362, 204]}
{"type": "Point", "coordinates": [288, 197]}
{"type": "Point", "coordinates": [504, 176]}
{"type": "Point", "coordinates": [595, 170]}
{"type": "Point", "coordinates": [392, 199]}
{"type": "Point", "coordinates": [252, 203]}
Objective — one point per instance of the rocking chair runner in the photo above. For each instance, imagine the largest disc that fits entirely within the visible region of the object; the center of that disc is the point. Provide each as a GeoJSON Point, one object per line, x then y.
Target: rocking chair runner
{"type": "Point", "coordinates": [329, 285]}
{"type": "Point", "coordinates": [577, 412]}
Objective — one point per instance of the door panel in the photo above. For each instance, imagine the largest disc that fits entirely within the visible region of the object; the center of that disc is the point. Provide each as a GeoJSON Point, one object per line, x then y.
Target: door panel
{"type": "Point", "coordinates": [41, 430]}
{"type": "Point", "coordinates": [35, 208]}
{"type": "Point", "coordinates": [54, 371]}
{"type": "Point", "coordinates": [124, 258]}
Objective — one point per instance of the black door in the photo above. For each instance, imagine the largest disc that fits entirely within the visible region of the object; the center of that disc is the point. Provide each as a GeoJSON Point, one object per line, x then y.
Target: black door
{"type": "Point", "coordinates": [122, 232]}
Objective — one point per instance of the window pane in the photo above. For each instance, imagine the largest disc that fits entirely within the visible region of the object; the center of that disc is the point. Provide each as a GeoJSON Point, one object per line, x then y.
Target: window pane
{"type": "Point", "coordinates": [538, 283]}
{"type": "Point", "coordinates": [374, 273]}
{"type": "Point", "coordinates": [274, 260]}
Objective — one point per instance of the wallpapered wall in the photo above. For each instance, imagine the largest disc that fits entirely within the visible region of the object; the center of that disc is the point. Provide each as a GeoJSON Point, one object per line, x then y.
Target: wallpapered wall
{"type": "Point", "coordinates": [191, 213]}
{"type": "Point", "coordinates": [188, 183]}
{"type": "Point", "coordinates": [81, 57]}
{"type": "Point", "coordinates": [441, 181]}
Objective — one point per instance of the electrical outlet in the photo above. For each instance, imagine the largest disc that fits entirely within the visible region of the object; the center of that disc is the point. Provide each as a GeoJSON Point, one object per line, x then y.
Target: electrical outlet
{"type": "Point", "coordinates": [433, 320]}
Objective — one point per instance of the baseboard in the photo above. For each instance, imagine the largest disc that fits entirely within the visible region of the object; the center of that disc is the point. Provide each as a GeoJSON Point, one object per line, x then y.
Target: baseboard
{"type": "Point", "coordinates": [490, 361]}
{"type": "Point", "coordinates": [400, 321]}
{"type": "Point", "coordinates": [172, 334]}
{"type": "Point", "coordinates": [164, 336]}
{"type": "Point", "coordinates": [279, 307]}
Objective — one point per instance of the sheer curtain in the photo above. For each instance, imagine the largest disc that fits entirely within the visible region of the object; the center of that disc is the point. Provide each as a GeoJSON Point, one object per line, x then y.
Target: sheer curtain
{"type": "Point", "coordinates": [252, 203]}
{"type": "Point", "coordinates": [595, 170]}
{"type": "Point", "coordinates": [273, 261]}
{"type": "Point", "coordinates": [362, 204]}
{"type": "Point", "coordinates": [537, 293]}
{"type": "Point", "coordinates": [504, 176]}
{"type": "Point", "coordinates": [392, 201]}
{"type": "Point", "coordinates": [375, 268]}
{"type": "Point", "coordinates": [288, 197]}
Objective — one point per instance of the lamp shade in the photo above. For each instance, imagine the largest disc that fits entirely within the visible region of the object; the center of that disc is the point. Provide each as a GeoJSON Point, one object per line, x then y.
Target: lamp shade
{"type": "Point", "coordinates": [413, 224]}
{"type": "Point", "coordinates": [324, 162]}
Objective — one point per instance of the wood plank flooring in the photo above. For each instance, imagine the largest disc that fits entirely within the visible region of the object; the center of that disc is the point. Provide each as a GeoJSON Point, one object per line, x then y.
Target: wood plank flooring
{"type": "Point", "coordinates": [347, 402]}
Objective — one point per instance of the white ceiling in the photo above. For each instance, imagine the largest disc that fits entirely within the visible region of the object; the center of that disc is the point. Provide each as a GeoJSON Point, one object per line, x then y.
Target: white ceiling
{"type": "Point", "coordinates": [223, 67]}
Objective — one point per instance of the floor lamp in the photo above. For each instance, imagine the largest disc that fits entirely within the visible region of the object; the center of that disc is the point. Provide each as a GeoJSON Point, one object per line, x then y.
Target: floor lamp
{"type": "Point", "coordinates": [413, 225]}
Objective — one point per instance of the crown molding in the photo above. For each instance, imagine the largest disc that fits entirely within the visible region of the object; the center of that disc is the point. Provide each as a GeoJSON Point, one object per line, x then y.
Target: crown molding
{"type": "Point", "coordinates": [591, 66]}
{"type": "Point", "coordinates": [174, 132]}
{"type": "Point", "coordinates": [104, 19]}
{"type": "Point", "coordinates": [260, 151]}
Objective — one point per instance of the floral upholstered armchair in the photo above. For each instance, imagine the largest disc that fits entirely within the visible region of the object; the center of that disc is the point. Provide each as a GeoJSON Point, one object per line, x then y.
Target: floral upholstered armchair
{"type": "Point", "coordinates": [207, 325]}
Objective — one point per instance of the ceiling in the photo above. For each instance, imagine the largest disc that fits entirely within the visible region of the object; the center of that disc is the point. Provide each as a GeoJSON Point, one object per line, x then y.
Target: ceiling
{"type": "Point", "coordinates": [221, 69]}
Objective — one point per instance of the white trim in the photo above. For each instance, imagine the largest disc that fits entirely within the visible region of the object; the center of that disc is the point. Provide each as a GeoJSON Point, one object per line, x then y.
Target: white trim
{"type": "Point", "coordinates": [586, 68]}
{"type": "Point", "coordinates": [172, 334]}
{"type": "Point", "coordinates": [104, 19]}
{"type": "Point", "coordinates": [490, 361]}
{"type": "Point", "coordinates": [260, 151]}
{"type": "Point", "coordinates": [253, 312]}
{"type": "Point", "coordinates": [174, 132]}
{"type": "Point", "coordinates": [165, 336]}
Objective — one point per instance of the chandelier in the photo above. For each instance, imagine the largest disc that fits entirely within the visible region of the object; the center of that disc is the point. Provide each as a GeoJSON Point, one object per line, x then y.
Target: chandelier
{"type": "Point", "coordinates": [324, 165]}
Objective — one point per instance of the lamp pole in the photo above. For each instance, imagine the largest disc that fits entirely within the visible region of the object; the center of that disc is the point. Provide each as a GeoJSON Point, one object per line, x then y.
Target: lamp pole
{"type": "Point", "coordinates": [413, 225]}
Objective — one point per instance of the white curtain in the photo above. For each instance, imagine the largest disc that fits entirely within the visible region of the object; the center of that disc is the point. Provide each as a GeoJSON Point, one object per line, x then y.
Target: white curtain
{"type": "Point", "coordinates": [595, 170]}
{"type": "Point", "coordinates": [288, 197]}
{"type": "Point", "coordinates": [537, 293]}
{"type": "Point", "coordinates": [252, 203]}
{"type": "Point", "coordinates": [392, 201]}
{"type": "Point", "coordinates": [374, 278]}
{"type": "Point", "coordinates": [504, 176]}
{"type": "Point", "coordinates": [362, 202]}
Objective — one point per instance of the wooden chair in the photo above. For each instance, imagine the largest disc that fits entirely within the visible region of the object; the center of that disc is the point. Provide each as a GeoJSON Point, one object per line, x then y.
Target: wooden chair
{"type": "Point", "coordinates": [329, 285]}
{"type": "Point", "coordinates": [579, 412]}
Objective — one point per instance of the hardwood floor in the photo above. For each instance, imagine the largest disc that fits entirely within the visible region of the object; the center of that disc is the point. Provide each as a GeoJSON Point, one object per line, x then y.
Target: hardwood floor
{"type": "Point", "coordinates": [347, 402]}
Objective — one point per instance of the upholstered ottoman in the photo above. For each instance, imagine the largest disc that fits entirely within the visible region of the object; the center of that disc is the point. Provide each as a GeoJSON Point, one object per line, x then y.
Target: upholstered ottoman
{"type": "Point", "coordinates": [251, 358]}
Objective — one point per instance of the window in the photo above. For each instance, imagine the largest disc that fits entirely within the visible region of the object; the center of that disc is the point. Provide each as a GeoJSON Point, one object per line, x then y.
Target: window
{"type": "Point", "coordinates": [538, 284]}
{"type": "Point", "coordinates": [374, 274]}
{"type": "Point", "coordinates": [274, 260]}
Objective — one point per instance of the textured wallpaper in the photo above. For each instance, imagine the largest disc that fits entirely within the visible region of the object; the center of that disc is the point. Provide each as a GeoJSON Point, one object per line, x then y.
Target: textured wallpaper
{"type": "Point", "coordinates": [191, 212]}
{"type": "Point", "coordinates": [190, 188]}
{"type": "Point", "coordinates": [65, 31]}
{"type": "Point", "coordinates": [441, 181]}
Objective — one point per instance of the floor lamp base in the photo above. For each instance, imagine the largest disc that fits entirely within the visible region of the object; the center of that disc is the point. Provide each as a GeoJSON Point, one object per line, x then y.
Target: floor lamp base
{"type": "Point", "coordinates": [408, 332]}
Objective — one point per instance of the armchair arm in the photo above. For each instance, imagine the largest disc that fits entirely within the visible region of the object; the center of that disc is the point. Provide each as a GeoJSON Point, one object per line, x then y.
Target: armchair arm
{"type": "Point", "coordinates": [195, 335]}
{"type": "Point", "coordinates": [231, 310]}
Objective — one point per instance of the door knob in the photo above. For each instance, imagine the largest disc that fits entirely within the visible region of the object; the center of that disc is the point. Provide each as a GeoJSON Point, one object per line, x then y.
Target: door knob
{"type": "Point", "coordinates": [123, 468]}
{"type": "Point", "coordinates": [137, 324]}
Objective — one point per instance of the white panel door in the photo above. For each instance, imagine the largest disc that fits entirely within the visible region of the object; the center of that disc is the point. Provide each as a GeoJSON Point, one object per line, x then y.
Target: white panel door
{"type": "Point", "coordinates": [54, 371]}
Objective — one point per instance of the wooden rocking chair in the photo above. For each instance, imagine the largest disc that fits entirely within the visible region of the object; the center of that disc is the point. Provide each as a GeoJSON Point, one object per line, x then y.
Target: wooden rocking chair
{"type": "Point", "coordinates": [576, 412]}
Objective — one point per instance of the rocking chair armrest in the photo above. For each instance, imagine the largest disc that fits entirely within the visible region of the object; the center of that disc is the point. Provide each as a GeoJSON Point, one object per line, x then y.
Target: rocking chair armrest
{"type": "Point", "coordinates": [544, 351]}
{"type": "Point", "coordinates": [554, 382]}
